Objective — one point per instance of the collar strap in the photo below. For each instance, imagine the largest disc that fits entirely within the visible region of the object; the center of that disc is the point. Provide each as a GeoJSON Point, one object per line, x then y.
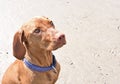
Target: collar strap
{"type": "Point", "coordinates": [39, 68]}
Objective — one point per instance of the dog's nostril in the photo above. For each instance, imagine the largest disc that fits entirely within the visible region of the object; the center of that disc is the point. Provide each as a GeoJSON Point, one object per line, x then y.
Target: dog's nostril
{"type": "Point", "coordinates": [61, 37]}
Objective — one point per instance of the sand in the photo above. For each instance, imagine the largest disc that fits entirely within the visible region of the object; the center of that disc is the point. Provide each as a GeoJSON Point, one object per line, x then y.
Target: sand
{"type": "Point", "coordinates": [92, 29]}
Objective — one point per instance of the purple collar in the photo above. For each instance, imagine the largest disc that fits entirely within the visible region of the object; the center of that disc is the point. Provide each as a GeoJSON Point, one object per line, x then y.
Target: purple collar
{"type": "Point", "coordinates": [39, 68]}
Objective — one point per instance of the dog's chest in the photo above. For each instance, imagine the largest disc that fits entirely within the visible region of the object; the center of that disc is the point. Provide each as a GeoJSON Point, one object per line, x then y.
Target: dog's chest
{"type": "Point", "coordinates": [34, 77]}
{"type": "Point", "coordinates": [42, 78]}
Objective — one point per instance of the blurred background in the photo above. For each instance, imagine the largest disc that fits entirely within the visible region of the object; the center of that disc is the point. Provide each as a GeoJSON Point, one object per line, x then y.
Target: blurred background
{"type": "Point", "coordinates": [92, 29]}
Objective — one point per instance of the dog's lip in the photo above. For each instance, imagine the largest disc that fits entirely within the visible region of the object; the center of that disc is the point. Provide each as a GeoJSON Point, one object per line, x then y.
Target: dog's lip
{"type": "Point", "coordinates": [63, 42]}
{"type": "Point", "coordinates": [58, 45]}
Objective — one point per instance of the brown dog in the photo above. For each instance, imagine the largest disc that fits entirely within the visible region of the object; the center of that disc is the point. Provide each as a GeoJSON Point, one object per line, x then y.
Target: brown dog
{"type": "Point", "coordinates": [33, 45]}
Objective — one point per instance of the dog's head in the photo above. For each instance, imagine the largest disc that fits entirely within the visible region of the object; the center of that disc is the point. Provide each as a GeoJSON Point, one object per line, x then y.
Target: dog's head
{"type": "Point", "coordinates": [38, 33]}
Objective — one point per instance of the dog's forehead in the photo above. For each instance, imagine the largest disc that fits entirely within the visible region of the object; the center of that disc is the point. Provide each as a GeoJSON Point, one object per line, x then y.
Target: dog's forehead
{"type": "Point", "coordinates": [42, 22]}
{"type": "Point", "coordinates": [37, 19]}
{"type": "Point", "coordinates": [38, 22]}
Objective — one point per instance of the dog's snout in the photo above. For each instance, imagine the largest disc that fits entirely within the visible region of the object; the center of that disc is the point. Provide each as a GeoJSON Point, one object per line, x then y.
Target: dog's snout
{"type": "Point", "coordinates": [61, 38]}
{"type": "Point", "coordinates": [56, 36]}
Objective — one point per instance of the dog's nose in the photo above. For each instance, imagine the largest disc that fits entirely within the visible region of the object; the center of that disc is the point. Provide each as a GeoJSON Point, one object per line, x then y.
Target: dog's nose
{"type": "Point", "coordinates": [61, 37]}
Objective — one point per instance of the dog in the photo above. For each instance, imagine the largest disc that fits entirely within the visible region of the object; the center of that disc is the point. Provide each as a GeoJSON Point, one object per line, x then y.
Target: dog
{"type": "Point", "coordinates": [33, 44]}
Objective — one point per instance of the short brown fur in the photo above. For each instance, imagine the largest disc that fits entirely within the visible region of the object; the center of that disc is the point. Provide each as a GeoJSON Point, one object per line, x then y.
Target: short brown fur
{"type": "Point", "coordinates": [35, 41]}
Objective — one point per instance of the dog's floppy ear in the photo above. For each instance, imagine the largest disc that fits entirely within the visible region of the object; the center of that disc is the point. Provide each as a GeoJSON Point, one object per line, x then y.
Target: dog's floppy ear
{"type": "Point", "coordinates": [18, 47]}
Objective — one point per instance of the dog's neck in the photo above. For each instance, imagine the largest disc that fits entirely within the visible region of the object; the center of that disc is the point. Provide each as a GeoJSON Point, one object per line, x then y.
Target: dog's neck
{"type": "Point", "coordinates": [39, 57]}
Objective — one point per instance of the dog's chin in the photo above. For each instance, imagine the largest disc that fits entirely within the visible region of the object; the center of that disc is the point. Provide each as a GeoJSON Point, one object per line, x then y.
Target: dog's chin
{"type": "Point", "coordinates": [53, 47]}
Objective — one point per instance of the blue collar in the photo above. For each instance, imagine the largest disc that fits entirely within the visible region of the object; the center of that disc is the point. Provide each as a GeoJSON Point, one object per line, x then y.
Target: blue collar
{"type": "Point", "coordinates": [38, 68]}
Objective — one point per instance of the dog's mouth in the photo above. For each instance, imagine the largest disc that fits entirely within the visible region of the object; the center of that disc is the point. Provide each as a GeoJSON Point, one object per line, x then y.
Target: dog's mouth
{"type": "Point", "coordinates": [56, 44]}
{"type": "Point", "coordinates": [59, 44]}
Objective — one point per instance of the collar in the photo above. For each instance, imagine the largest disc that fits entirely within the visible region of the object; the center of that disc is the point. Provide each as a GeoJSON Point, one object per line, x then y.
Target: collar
{"type": "Point", "coordinates": [39, 68]}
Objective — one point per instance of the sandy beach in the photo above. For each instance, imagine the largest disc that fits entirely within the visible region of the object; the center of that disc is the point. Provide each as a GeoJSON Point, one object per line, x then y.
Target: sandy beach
{"type": "Point", "coordinates": [92, 29]}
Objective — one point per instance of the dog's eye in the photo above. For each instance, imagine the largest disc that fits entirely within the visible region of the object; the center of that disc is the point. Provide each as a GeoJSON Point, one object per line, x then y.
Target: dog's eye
{"type": "Point", "coordinates": [37, 31]}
